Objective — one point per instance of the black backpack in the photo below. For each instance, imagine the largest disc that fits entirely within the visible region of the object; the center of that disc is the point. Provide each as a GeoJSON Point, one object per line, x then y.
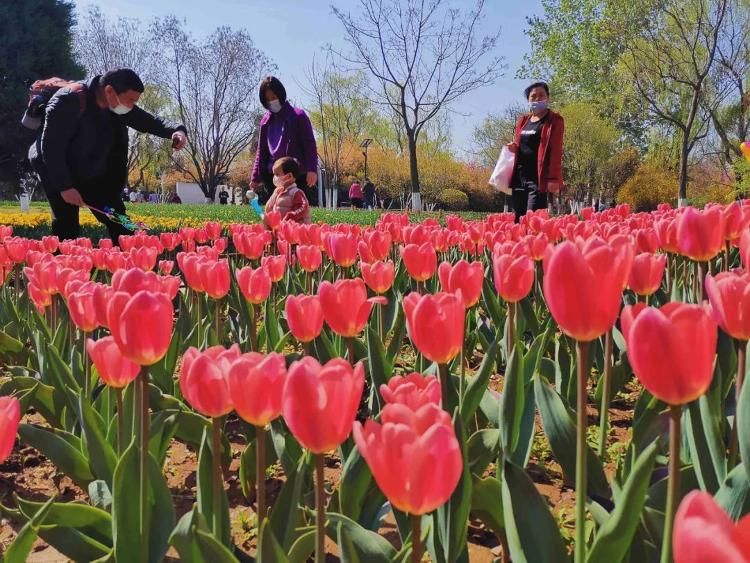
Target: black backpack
{"type": "Point", "coordinates": [41, 92]}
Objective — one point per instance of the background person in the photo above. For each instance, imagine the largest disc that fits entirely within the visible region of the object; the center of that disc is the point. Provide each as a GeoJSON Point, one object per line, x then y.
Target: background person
{"type": "Point", "coordinates": [356, 197]}
{"type": "Point", "coordinates": [81, 153]}
{"type": "Point", "coordinates": [284, 131]}
{"type": "Point", "coordinates": [369, 190]}
{"type": "Point", "coordinates": [538, 148]}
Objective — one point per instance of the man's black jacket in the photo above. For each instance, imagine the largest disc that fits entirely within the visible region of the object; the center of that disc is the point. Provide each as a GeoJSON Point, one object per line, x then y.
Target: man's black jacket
{"type": "Point", "coordinates": [76, 146]}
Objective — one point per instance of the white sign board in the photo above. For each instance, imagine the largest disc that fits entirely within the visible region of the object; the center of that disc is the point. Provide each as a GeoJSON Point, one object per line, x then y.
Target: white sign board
{"type": "Point", "coordinates": [190, 192]}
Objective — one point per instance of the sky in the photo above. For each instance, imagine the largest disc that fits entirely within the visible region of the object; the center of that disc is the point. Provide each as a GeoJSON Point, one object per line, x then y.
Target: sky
{"type": "Point", "coordinates": [290, 32]}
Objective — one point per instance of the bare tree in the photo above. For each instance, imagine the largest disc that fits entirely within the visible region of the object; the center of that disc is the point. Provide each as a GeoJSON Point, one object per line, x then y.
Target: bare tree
{"type": "Point", "coordinates": [670, 65]}
{"type": "Point", "coordinates": [727, 101]}
{"type": "Point", "coordinates": [422, 55]}
{"type": "Point", "coordinates": [101, 44]}
{"type": "Point", "coordinates": [340, 112]}
{"type": "Point", "coordinates": [214, 84]}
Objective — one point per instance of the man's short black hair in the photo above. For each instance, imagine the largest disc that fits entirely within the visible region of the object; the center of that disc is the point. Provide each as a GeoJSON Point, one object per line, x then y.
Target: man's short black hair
{"type": "Point", "coordinates": [528, 89]}
{"type": "Point", "coordinates": [274, 85]}
{"type": "Point", "coordinates": [122, 80]}
{"type": "Point", "coordinates": [287, 165]}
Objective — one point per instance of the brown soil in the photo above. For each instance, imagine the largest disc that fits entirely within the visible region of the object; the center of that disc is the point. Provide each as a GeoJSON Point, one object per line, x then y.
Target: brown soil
{"type": "Point", "coordinates": [31, 476]}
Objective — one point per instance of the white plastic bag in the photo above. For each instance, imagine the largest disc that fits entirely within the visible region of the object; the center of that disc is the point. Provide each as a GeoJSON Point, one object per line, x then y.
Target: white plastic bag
{"type": "Point", "coordinates": [503, 172]}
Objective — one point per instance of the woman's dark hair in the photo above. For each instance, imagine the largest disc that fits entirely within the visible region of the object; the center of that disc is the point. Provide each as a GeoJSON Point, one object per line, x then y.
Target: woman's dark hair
{"type": "Point", "coordinates": [287, 165]}
{"type": "Point", "coordinates": [528, 89]}
{"type": "Point", "coordinates": [122, 80]}
{"type": "Point", "coordinates": [274, 85]}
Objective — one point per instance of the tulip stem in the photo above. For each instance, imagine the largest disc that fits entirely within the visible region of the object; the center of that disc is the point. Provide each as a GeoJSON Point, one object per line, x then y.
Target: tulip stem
{"type": "Point", "coordinates": [350, 346]}
{"type": "Point", "coordinates": [86, 367]}
{"type": "Point", "coordinates": [726, 257]}
{"type": "Point", "coordinates": [381, 323]}
{"type": "Point", "coordinates": [218, 322]}
{"type": "Point", "coordinates": [461, 380]}
{"type": "Point", "coordinates": [700, 282]}
{"type": "Point", "coordinates": [320, 509]}
{"type": "Point", "coordinates": [120, 422]}
{"type": "Point", "coordinates": [253, 329]}
{"type": "Point", "coordinates": [673, 488]}
{"type": "Point", "coordinates": [217, 484]}
{"type": "Point", "coordinates": [144, 432]}
{"type": "Point", "coordinates": [416, 538]}
{"type": "Point", "coordinates": [260, 473]}
{"type": "Point", "coordinates": [511, 327]}
{"type": "Point", "coordinates": [734, 439]}
{"type": "Point", "coordinates": [200, 317]}
{"type": "Point", "coordinates": [606, 384]}
{"type": "Point", "coordinates": [445, 386]}
{"type": "Point", "coordinates": [582, 349]}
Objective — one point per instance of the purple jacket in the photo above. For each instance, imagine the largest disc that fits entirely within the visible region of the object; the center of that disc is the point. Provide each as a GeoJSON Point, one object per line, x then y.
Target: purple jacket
{"type": "Point", "coordinates": [286, 133]}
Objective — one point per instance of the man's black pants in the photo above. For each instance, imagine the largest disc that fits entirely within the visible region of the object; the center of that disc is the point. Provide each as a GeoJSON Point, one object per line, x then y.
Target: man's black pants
{"type": "Point", "coordinates": [101, 193]}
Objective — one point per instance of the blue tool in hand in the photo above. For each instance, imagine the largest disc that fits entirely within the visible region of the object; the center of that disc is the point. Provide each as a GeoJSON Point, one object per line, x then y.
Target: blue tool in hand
{"type": "Point", "coordinates": [253, 199]}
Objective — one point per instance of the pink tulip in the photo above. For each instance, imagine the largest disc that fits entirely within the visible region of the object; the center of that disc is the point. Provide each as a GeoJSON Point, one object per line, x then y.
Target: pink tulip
{"type": "Point", "coordinates": [700, 234]}
{"type": "Point", "coordinates": [215, 278]}
{"type": "Point", "coordinates": [346, 307]}
{"type": "Point", "coordinates": [82, 310]}
{"type": "Point", "coordinates": [704, 533]}
{"type": "Point", "coordinates": [10, 416]}
{"type": "Point", "coordinates": [275, 266]}
{"type": "Point", "coordinates": [415, 390]}
{"type": "Point", "coordinates": [320, 402]}
{"type": "Point", "coordinates": [144, 343]}
{"type": "Point", "coordinates": [420, 261]}
{"type": "Point", "coordinates": [646, 273]}
{"type": "Point", "coordinates": [514, 276]}
{"type": "Point", "coordinates": [204, 379]}
{"type": "Point", "coordinates": [413, 455]}
{"type": "Point", "coordinates": [310, 258]}
{"type": "Point", "coordinates": [255, 285]}
{"type": "Point", "coordinates": [672, 351]}
{"type": "Point", "coordinates": [583, 286]}
{"type": "Point", "coordinates": [304, 314]}
{"type": "Point", "coordinates": [114, 369]}
{"type": "Point", "coordinates": [342, 248]}
{"type": "Point", "coordinates": [378, 275]}
{"type": "Point", "coordinates": [729, 295]}
{"type": "Point", "coordinates": [465, 276]}
{"type": "Point", "coordinates": [256, 384]}
{"type": "Point", "coordinates": [436, 324]}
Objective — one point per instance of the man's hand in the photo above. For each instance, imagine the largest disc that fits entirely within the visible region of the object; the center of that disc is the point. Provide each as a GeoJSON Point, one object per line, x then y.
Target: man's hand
{"type": "Point", "coordinates": [255, 186]}
{"type": "Point", "coordinates": [179, 140]}
{"type": "Point", "coordinates": [312, 179]}
{"type": "Point", "coordinates": [72, 196]}
{"type": "Point", "coordinates": [553, 187]}
{"type": "Point", "coordinates": [512, 147]}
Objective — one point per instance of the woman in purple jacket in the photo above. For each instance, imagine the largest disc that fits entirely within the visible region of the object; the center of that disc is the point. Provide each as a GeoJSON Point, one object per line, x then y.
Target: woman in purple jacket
{"type": "Point", "coordinates": [284, 131]}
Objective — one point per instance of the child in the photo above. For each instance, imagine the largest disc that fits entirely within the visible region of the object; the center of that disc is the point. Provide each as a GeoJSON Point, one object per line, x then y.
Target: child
{"type": "Point", "coordinates": [287, 198]}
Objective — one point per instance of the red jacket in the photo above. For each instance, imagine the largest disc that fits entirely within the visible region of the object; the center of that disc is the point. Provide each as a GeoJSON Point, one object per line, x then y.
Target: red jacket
{"type": "Point", "coordinates": [549, 165]}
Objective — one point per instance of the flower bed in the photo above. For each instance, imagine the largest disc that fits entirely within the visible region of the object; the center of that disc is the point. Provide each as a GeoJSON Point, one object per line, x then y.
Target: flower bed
{"type": "Point", "coordinates": [401, 388]}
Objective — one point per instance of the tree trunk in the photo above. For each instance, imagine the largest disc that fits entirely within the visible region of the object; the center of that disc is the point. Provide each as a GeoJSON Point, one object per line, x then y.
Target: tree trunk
{"type": "Point", "coordinates": [414, 169]}
{"type": "Point", "coordinates": [683, 176]}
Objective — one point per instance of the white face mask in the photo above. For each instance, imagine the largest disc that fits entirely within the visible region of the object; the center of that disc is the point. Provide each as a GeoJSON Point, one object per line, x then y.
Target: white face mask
{"type": "Point", "coordinates": [277, 181]}
{"type": "Point", "coordinates": [274, 106]}
{"type": "Point", "coordinates": [120, 108]}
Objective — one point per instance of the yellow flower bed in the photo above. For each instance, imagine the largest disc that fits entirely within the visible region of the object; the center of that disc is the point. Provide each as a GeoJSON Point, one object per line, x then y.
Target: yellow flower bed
{"type": "Point", "coordinates": [38, 219]}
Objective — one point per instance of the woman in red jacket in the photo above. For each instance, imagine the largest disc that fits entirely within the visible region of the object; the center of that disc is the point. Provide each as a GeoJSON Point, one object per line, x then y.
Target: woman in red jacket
{"type": "Point", "coordinates": [538, 148]}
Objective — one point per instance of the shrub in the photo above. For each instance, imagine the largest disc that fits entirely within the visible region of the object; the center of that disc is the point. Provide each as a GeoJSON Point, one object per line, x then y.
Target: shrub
{"type": "Point", "coordinates": [453, 200]}
{"type": "Point", "coordinates": [648, 187]}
